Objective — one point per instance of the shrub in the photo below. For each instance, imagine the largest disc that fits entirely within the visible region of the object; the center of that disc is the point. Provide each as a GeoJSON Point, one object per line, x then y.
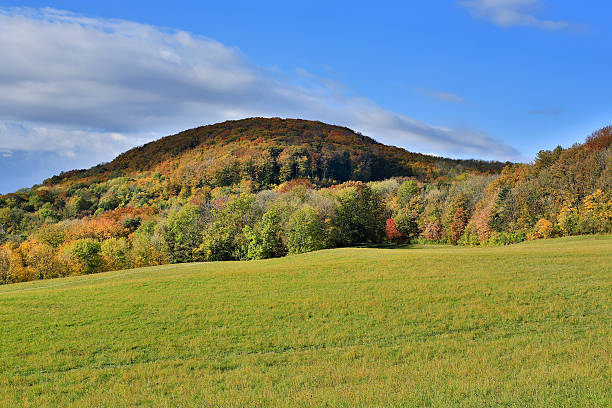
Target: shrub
{"type": "Point", "coordinates": [506, 238]}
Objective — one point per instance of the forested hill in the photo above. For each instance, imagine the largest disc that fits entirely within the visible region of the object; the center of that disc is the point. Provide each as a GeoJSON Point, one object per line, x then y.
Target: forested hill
{"type": "Point", "coordinates": [262, 188]}
{"type": "Point", "coordinates": [268, 151]}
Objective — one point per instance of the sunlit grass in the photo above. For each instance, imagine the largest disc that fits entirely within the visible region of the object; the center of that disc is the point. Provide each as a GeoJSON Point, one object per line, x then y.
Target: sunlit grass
{"type": "Point", "coordinates": [526, 325]}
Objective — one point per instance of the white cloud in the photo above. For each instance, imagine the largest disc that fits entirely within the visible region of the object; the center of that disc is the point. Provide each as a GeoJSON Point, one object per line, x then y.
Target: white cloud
{"type": "Point", "coordinates": [508, 13]}
{"type": "Point", "coordinates": [80, 86]}
{"type": "Point", "coordinates": [441, 96]}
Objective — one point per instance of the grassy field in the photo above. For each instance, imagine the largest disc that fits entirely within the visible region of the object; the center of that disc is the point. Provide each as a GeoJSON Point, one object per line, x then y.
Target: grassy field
{"type": "Point", "coordinates": [526, 325]}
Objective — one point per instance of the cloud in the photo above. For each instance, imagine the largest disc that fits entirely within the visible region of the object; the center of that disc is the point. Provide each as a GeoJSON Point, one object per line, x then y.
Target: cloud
{"type": "Point", "coordinates": [442, 96]}
{"type": "Point", "coordinates": [508, 13]}
{"type": "Point", "coordinates": [91, 88]}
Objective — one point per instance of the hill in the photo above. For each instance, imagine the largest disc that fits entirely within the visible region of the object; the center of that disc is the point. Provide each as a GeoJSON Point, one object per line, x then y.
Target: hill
{"type": "Point", "coordinates": [265, 188]}
{"type": "Point", "coordinates": [525, 325]}
{"type": "Point", "coordinates": [267, 151]}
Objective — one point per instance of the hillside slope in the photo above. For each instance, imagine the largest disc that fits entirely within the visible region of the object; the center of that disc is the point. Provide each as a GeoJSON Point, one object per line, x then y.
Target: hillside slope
{"type": "Point", "coordinates": [526, 325]}
{"type": "Point", "coordinates": [272, 150]}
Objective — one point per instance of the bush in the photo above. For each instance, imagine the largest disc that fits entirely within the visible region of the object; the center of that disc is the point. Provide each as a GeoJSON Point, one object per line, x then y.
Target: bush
{"type": "Point", "coordinates": [469, 238]}
{"type": "Point", "coordinates": [506, 238]}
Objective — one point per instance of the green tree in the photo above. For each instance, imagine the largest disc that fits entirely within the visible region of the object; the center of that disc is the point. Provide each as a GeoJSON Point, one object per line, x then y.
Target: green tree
{"type": "Point", "coordinates": [115, 252]}
{"type": "Point", "coordinates": [406, 223]}
{"type": "Point", "coordinates": [224, 239]}
{"type": "Point", "coordinates": [5, 266]}
{"type": "Point", "coordinates": [47, 212]}
{"type": "Point", "coordinates": [10, 218]}
{"type": "Point", "coordinates": [266, 240]}
{"type": "Point", "coordinates": [87, 253]}
{"type": "Point", "coordinates": [360, 215]}
{"type": "Point", "coordinates": [183, 233]}
{"type": "Point", "coordinates": [305, 231]}
{"type": "Point", "coordinates": [77, 205]}
{"type": "Point", "coordinates": [51, 234]}
{"type": "Point", "coordinates": [148, 246]}
{"type": "Point", "coordinates": [407, 190]}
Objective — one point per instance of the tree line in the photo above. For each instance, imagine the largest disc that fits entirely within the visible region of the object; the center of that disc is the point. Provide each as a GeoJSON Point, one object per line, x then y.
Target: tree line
{"type": "Point", "coordinates": [160, 216]}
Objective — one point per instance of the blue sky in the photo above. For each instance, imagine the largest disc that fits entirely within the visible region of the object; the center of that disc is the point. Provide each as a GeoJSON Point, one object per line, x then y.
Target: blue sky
{"type": "Point", "coordinates": [493, 79]}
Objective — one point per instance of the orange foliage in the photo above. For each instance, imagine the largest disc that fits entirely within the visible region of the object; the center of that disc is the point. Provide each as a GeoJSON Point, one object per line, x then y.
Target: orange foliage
{"type": "Point", "coordinates": [291, 184]}
{"type": "Point", "coordinates": [599, 140]}
{"type": "Point", "coordinates": [543, 229]}
{"type": "Point", "coordinates": [391, 231]}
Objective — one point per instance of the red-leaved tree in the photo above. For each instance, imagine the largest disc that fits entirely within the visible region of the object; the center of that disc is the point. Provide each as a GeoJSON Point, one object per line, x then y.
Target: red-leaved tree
{"type": "Point", "coordinates": [391, 230]}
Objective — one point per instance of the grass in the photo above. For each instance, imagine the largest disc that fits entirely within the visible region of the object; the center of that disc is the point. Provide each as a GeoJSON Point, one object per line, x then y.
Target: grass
{"type": "Point", "coordinates": [526, 325]}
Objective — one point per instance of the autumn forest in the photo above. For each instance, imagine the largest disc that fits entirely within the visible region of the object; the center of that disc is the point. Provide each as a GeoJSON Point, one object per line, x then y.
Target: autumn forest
{"type": "Point", "coordinates": [263, 188]}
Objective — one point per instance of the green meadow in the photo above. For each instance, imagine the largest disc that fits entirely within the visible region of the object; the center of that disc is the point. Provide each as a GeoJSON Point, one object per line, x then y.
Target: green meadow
{"type": "Point", "coordinates": [424, 326]}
